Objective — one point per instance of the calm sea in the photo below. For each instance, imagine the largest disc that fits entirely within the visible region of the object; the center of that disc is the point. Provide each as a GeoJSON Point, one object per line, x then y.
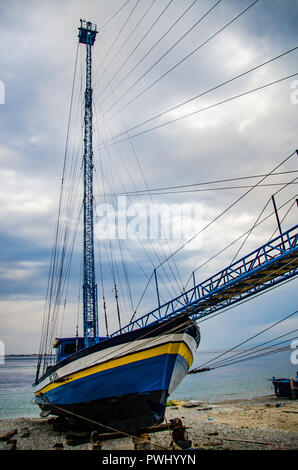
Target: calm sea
{"type": "Point", "coordinates": [243, 380]}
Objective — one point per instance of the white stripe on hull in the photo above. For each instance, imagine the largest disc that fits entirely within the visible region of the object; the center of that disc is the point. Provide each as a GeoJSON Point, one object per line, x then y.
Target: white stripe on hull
{"type": "Point", "coordinates": [116, 352]}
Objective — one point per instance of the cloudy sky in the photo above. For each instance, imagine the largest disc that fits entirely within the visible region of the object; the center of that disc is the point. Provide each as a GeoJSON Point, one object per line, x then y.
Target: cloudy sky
{"type": "Point", "coordinates": [148, 59]}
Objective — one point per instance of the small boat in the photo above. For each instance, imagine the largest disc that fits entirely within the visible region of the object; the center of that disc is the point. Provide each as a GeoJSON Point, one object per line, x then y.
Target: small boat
{"type": "Point", "coordinates": [286, 387]}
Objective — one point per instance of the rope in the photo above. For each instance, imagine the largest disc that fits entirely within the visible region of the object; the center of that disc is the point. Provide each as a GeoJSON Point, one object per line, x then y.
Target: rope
{"type": "Point", "coordinates": [97, 423]}
{"type": "Point", "coordinates": [182, 60]}
{"type": "Point", "coordinates": [249, 339]}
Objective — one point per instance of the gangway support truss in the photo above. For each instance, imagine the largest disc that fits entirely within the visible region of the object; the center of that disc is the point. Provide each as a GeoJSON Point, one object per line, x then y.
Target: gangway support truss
{"type": "Point", "coordinates": [266, 267]}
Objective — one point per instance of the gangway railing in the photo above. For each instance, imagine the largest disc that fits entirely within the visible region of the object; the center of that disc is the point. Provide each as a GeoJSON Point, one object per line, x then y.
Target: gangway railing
{"type": "Point", "coordinates": [263, 268]}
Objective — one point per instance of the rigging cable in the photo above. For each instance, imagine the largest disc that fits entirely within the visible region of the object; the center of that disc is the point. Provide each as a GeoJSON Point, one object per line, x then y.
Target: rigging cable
{"type": "Point", "coordinates": [173, 108]}
{"type": "Point", "coordinates": [144, 179]}
{"type": "Point", "coordinates": [182, 60]}
{"type": "Point", "coordinates": [229, 207]}
{"type": "Point", "coordinates": [147, 53]}
{"type": "Point", "coordinates": [254, 225]}
{"type": "Point", "coordinates": [224, 309]}
{"type": "Point", "coordinates": [114, 15]}
{"type": "Point", "coordinates": [152, 190]}
{"type": "Point", "coordinates": [292, 205]}
{"type": "Point", "coordinates": [249, 339]}
{"type": "Point", "coordinates": [119, 33]}
{"type": "Point", "coordinates": [206, 108]}
{"type": "Point", "coordinates": [254, 350]}
{"type": "Point", "coordinates": [124, 42]}
{"type": "Point", "coordinates": [146, 193]}
{"type": "Point", "coordinates": [107, 183]}
{"type": "Point", "coordinates": [236, 239]}
{"type": "Point", "coordinates": [45, 324]}
{"type": "Point", "coordinates": [155, 63]}
{"type": "Point", "coordinates": [146, 33]}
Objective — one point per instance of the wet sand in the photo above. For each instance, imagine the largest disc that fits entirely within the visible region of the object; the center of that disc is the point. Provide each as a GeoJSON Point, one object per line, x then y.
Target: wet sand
{"type": "Point", "coordinates": [264, 423]}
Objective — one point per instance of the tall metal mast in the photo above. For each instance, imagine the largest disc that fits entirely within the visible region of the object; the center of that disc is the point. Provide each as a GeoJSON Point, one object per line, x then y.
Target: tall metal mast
{"type": "Point", "coordinates": [87, 35]}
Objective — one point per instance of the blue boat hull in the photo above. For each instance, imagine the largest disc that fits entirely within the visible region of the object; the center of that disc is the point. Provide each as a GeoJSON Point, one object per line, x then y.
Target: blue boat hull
{"type": "Point", "coordinates": [286, 388]}
{"type": "Point", "coordinates": [129, 390]}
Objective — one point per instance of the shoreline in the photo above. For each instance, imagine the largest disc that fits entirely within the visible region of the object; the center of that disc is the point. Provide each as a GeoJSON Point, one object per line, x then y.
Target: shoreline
{"type": "Point", "coordinates": [265, 423]}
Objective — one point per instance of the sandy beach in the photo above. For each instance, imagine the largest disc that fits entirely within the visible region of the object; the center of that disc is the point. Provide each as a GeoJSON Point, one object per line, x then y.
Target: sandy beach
{"type": "Point", "coordinates": [264, 423]}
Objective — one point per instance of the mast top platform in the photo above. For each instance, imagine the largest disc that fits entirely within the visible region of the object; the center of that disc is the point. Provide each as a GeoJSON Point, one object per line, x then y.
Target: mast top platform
{"type": "Point", "coordinates": [87, 32]}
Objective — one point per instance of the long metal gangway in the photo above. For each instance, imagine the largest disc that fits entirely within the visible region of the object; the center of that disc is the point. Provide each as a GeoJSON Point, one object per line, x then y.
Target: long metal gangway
{"type": "Point", "coordinates": [269, 265]}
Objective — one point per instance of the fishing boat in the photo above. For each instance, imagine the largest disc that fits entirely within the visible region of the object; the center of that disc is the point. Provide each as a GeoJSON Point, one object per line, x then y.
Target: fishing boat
{"type": "Point", "coordinates": [122, 381]}
{"type": "Point", "coordinates": [286, 387]}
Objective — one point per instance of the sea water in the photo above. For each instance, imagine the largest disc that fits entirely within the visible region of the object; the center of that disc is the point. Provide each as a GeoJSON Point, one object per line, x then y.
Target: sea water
{"type": "Point", "coordinates": [244, 380]}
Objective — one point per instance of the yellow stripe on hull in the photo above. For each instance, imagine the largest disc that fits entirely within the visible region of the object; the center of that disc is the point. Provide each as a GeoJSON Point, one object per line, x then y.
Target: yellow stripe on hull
{"type": "Point", "coordinates": [169, 348]}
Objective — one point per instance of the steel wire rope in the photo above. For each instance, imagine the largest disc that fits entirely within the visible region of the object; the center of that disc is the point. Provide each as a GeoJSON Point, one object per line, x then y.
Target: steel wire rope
{"type": "Point", "coordinates": [68, 216]}
{"type": "Point", "coordinates": [124, 265]}
{"type": "Point", "coordinates": [258, 346]}
{"type": "Point", "coordinates": [126, 40]}
{"type": "Point", "coordinates": [230, 244]}
{"type": "Point", "coordinates": [152, 190]}
{"type": "Point", "coordinates": [110, 251]}
{"type": "Point", "coordinates": [148, 31]}
{"type": "Point", "coordinates": [125, 434]}
{"type": "Point", "coordinates": [223, 188]}
{"type": "Point", "coordinates": [230, 206]}
{"type": "Point", "coordinates": [63, 282]}
{"type": "Point", "coordinates": [112, 263]}
{"type": "Point", "coordinates": [115, 268]}
{"type": "Point", "coordinates": [285, 215]}
{"type": "Point", "coordinates": [237, 239]}
{"type": "Point", "coordinates": [119, 34]}
{"type": "Point", "coordinates": [151, 261]}
{"type": "Point", "coordinates": [106, 182]}
{"type": "Point", "coordinates": [206, 108]}
{"type": "Point", "coordinates": [123, 160]}
{"type": "Point", "coordinates": [145, 181]}
{"type": "Point", "coordinates": [60, 254]}
{"type": "Point", "coordinates": [173, 108]}
{"type": "Point", "coordinates": [239, 302]}
{"type": "Point", "coordinates": [249, 339]}
{"type": "Point", "coordinates": [210, 315]}
{"type": "Point", "coordinates": [152, 246]}
{"type": "Point", "coordinates": [268, 353]}
{"type": "Point", "coordinates": [114, 15]}
{"type": "Point", "coordinates": [45, 323]}
{"type": "Point", "coordinates": [68, 272]}
{"type": "Point", "coordinates": [148, 52]}
{"type": "Point", "coordinates": [253, 350]}
{"type": "Point", "coordinates": [154, 64]}
{"type": "Point", "coordinates": [79, 293]}
{"type": "Point", "coordinates": [240, 248]}
{"type": "Point", "coordinates": [147, 254]}
{"type": "Point", "coordinates": [182, 60]}
{"type": "Point", "coordinates": [234, 241]}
